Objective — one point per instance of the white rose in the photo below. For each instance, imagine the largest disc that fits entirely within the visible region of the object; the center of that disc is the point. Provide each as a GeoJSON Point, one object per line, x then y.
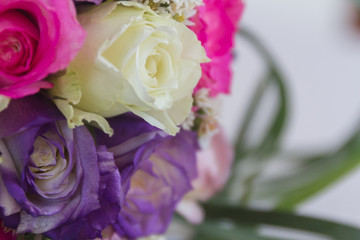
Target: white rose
{"type": "Point", "coordinates": [132, 60]}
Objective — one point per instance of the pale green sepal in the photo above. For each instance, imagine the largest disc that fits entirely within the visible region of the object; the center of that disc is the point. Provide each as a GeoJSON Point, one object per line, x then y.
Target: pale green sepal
{"type": "Point", "coordinates": [7, 202]}
{"type": "Point", "coordinates": [76, 117]}
{"type": "Point", "coordinates": [67, 87]}
{"type": "Point", "coordinates": [4, 102]}
{"type": "Point", "coordinates": [67, 93]}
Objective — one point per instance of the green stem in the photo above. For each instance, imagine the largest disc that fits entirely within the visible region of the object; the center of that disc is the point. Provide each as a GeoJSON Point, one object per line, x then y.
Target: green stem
{"type": "Point", "coordinates": [283, 219]}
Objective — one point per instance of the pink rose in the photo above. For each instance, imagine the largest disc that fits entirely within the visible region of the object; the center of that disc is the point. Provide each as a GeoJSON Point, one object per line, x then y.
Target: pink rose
{"type": "Point", "coordinates": [37, 37]}
{"type": "Point", "coordinates": [214, 164]}
{"type": "Point", "coordinates": [215, 25]}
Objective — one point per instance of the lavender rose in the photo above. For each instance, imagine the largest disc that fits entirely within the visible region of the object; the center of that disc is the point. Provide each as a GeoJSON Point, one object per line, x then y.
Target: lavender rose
{"type": "Point", "coordinates": [156, 170]}
{"type": "Point", "coordinates": [37, 37]}
{"type": "Point", "coordinates": [53, 179]}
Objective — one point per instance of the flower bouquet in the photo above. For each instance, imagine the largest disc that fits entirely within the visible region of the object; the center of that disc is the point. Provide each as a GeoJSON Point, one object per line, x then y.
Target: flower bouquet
{"type": "Point", "coordinates": [108, 114]}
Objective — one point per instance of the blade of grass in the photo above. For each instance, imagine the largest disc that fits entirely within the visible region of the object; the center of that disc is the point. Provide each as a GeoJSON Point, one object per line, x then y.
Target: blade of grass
{"type": "Point", "coordinates": [273, 77]}
{"type": "Point", "coordinates": [284, 219]}
{"type": "Point", "coordinates": [269, 142]}
{"type": "Point", "coordinates": [318, 174]}
{"type": "Point", "coordinates": [215, 230]}
{"type": "Point", "coordinates": [315, 174]}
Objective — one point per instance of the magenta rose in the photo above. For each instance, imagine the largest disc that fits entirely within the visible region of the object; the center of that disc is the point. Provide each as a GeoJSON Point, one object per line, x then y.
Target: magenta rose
{"type": "Point", "coordinates": [215, 25]}
{"type": "Point", "coordinates": [37, 38]}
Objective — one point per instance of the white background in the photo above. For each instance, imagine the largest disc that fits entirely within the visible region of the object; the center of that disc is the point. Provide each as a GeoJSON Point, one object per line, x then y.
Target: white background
{"type": "Point", "coordinates": [319, 52]}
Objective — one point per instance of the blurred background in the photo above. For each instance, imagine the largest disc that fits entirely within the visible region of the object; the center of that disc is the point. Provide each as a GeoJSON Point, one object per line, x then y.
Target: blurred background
{"type": "Point", "coordinates": [316, 47]}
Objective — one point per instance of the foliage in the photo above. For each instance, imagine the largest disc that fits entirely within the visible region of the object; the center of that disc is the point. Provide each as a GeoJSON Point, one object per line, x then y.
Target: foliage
{"type": "Point", "coordinates": [229, 215]}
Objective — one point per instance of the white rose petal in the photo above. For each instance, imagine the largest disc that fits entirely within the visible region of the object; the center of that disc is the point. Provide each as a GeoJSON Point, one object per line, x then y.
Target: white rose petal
{"type": "Point", "coordinates": [132, 60]}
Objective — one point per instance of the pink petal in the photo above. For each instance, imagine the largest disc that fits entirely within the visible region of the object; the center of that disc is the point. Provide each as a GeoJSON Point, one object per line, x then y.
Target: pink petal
{"type": "Point", "coordinates": [214, 164]}
{"type": "Point", "coordinates": [215, 26]}
{"type": "Point", "coordinates": [58, 37]}
{"type": "Point", "coordinates": [72, 35]}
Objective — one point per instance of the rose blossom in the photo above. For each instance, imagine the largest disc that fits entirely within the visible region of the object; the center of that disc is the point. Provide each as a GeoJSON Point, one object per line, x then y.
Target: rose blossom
{"type": "Point", "coordinates": [214, 164]}
{"type": "Point", "coordinates": [132, 60]}
{"type": "Point", "coordinates": [54, 180]}
{"type": "Point", "coordinates": [215, 25]}
{"type": "Point", "coordinates": [37, 37]}
{"type": "Point", "coordinates": [156, 171]}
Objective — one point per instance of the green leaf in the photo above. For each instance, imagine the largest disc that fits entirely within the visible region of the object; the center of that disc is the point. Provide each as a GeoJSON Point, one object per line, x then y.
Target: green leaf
{"type": "Point", "coordinates": [309, 174]}
{"type": "Point", "coordinates": [268, 143]}
{"type": "Point", "coordinates": [31, 236]}
{"type": "Point", "coordinates": [243, 217]}
{"type": "Point", "coordinates": [317, 174]}
{"type": "Point", "coordinates": [272, 79]}
{"type": "Point", "coordinates": [218, 230]}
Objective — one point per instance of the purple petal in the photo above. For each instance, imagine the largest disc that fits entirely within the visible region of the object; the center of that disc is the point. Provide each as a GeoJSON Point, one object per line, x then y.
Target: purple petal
{"type": "Point", "coordinates": [26, 113]}
{"type": "Point", "coordinates": [158, 184]}
{"type": "Point", "coordinates": [80, 201]}
{"type": "Point", "coordinates": [88, 1]}
{"type": "Point", "coordinates": [110, 201]}
{"type": "Point", "coordinates": [156, 170]}
{"type": "Point", "coordinates": [126, 127]}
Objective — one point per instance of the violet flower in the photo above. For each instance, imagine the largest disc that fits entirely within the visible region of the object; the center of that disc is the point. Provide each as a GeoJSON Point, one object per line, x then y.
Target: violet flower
{"type": "Point", "coordinates": [53, 179]}
{"type": "Point", "coordinates": [88, 1]}
{"type": "Point", "coordinates": [156, 170]}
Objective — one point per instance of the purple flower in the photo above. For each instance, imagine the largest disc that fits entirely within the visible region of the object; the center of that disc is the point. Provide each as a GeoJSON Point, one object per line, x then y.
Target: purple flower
{"type": "Point", "coordinates": [88, 1]}
{"type": "Point", "coordinates": [53, 179]}
{"type": "Point", "coordinates": [156, 170]}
